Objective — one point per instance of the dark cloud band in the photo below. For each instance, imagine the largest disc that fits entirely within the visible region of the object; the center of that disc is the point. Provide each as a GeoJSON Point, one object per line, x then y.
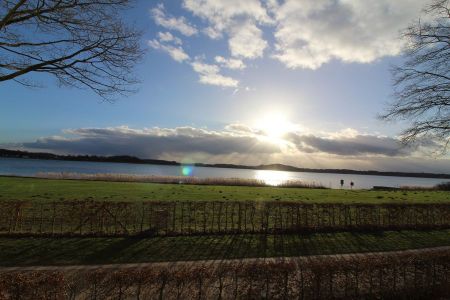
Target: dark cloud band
{"type": "Point", "coordinates": [240, 139]}
{"type": "Point", "coordinates": [153, 143]}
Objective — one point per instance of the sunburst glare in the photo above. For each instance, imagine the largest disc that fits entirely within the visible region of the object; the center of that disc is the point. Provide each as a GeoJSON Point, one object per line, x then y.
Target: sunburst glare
{"type": "Point", "coordinates": [274, 126]}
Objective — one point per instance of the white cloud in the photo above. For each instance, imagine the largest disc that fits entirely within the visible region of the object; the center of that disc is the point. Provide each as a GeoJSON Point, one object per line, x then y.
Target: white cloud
{"type": "Point", "coordinates": [212, 33]}
{"type": "Point", "coordinates": [311, 33]}
{"type": "Point", "coordinates": [180, 24]}
{"type": "Point", "coordinates": [238, 19]}
{"type": "Point", "coordinates": [168, 37]}
{"type": "Point", "coordinates": [272, 5]}
{"type": "Point", "coordinates": [209, 74]}
{"type": "Point", "coordinates": [246, 41]}
{"type": "Point", "coordinates": [221, 14]}
{"type": "Point", "coordinates": [307, 33]}
{"type": "Point", "coordinates": [230, 63]}
{"type": "Point", "coordinates": [176, 52]}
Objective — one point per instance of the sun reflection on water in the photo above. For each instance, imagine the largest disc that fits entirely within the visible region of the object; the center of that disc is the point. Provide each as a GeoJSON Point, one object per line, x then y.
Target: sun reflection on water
{"type": "Point", "coordinates": [272, 177]}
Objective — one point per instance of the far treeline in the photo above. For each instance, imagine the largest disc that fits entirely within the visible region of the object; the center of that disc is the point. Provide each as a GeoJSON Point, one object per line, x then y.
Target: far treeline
{"type": "Point", "coordinates": [274, 167]}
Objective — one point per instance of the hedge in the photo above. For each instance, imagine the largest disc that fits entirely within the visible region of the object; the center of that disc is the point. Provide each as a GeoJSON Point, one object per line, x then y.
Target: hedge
{"type": "Point", "coordinates": [414, 275]}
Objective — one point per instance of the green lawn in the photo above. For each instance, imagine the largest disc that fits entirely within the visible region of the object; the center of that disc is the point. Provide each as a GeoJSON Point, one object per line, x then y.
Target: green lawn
{"type": "Point", "coordinates": [13, 188]}
{"type": "Point", "coordinates": [55, 251]}
{"type": "Point", "coordinates": [65, 251]}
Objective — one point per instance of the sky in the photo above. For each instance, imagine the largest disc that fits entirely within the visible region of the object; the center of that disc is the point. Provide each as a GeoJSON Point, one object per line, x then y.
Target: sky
{"type": "Point", "coordinates": [298, 82]}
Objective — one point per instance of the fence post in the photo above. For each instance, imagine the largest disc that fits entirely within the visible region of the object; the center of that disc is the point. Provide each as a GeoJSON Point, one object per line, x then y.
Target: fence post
{"type": "Point", "coordinates": [142, 217]}
{"type": "Point", "coordinates": [239, 217]}
{"type": "Point", "coordinates": [252, 217]}
{"type": "Point", "coordinates": [40, 222]}
{"type": "Point", "coordinates": [212, 217]}
{"type": "Point", "coordinates": [305, 207]}
{"type": "Point", "coordinates": [167, 218]}
{"type": "Point", "coordinates": [195, 217]}
{"type": "Point", "coordinates": [226, 216]}
{"type": "Point", "coordinates": [182, 218]}
{"type": "Point", "coordinates": [174, 215]}
{"type": "Point", "coordinates": [204, 217]}
{"type": "Point", "coordinates": [53, 217]}
{"type": "Point", "coordinates": [245, 216]}
{"type": "Point", "coordinates": [190, 217]}
{"type": "Point", "coordinates": [218, 217]}
{"type": "Point", "coordinates": [319, 211]}
{"type": "Point", "coordinates": [81, 217]}
{"type": "Point", "coordinates": [233, 204]}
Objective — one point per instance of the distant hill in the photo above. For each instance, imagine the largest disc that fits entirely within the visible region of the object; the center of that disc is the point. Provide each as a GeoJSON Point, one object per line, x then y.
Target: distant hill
{"type": "Point", "coordinates": [136, 160]}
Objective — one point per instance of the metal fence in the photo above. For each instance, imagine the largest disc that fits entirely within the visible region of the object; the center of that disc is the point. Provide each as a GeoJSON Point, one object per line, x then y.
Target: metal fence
{"type": "Point", "coordinates": [211, 217]}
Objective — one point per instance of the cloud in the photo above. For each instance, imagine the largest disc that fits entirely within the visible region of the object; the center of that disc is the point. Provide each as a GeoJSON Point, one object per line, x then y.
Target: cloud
{"type": "Point", "coordinates": [168, 37]}
{"type": "Point", "coordinates": [152, 143]}
{"type": "Point", "coordinates": [176, 52]}
{"type": "Point", "coordinates": [180, 24]}
{"type": "Point", "coordinates": [212, 33]}
{"type": "Point", "coordinates": [357, 145]}
{"type": "Point", "coordinates": [238, 20]}
{"type": "Point", "coordinates": [246, 41]}
{"type": "Point", "coordinates": [222, 14]}
{"type": "Point", "coordinates": [242, 129]}
{"type": "Point", "coordinates": [209, 74]}
{"type": "Point", "coordinates": [230, 63]}
{"type": "Point", "coordinates": [235, 137]}
{"type": "Point", "coordinates": [306, 33]}
{"type": "Point", "coordinates": [243, 144]}
{"type": "Point", "coordinates": [311, 33]}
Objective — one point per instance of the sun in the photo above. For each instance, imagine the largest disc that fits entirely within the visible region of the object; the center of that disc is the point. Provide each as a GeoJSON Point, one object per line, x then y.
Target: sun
{"type": "Point", "coordinates": [274, 126]}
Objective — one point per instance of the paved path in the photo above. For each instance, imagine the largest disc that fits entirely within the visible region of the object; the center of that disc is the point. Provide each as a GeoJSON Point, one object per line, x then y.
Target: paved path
{"type": "Point", "coordinates": [349, 256]}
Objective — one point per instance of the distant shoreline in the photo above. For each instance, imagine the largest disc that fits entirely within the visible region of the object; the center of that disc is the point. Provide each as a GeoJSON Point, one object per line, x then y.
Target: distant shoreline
{"type": "Point", "coordinates": [4, 153]}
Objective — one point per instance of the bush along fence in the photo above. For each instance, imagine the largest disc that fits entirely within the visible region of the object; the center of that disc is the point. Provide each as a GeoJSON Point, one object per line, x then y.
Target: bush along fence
{"type": "Point", "coordinates": [214, 217]}
{"type": "Point", "coordinates": [413, 275]}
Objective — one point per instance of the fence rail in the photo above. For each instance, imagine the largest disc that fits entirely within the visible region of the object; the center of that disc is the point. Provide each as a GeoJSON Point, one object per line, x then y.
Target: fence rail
{"type": "Point", "coordinates": [211, 217]}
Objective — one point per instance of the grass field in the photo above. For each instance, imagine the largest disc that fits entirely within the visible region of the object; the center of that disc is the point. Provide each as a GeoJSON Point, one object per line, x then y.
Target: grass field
{"type": "Point", "coordinates": [13, 188]}
{"type": "Point", "coordinates": [62, 251]}
{"type": "Point", "coordinates": [66, 251]}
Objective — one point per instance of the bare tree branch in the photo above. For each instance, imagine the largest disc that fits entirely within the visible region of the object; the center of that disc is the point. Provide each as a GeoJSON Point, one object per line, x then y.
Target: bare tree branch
{"type": "Point", "coordinates": [83, 43]}
{"type": "Point", "coordinates": [422, 83]}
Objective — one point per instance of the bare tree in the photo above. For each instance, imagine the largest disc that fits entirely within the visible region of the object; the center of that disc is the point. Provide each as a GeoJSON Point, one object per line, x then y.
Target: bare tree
{"type": "Point", "coordinates": [83, 43]}
{"type": "Point", "coordinates": [422, 83]}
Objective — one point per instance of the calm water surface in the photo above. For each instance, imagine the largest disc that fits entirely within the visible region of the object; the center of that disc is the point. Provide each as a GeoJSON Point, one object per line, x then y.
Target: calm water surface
{"type": "Point", "coordinates": [30, 167]}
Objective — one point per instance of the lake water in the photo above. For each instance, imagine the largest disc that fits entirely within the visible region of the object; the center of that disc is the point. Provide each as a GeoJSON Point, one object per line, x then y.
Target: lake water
{"type": "Point", "coordinates": [30, 167]}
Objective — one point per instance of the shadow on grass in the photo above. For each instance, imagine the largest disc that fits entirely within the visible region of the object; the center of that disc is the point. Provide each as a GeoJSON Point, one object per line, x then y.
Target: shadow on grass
{"type": "Point", "coordinates": [65, 251]}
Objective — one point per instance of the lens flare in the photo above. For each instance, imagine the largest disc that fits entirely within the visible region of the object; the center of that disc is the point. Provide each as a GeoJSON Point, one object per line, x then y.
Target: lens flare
{"type": "Point", "coordinates": [187, 170]}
